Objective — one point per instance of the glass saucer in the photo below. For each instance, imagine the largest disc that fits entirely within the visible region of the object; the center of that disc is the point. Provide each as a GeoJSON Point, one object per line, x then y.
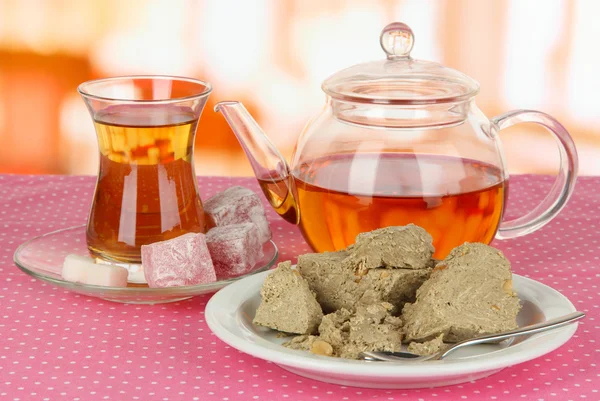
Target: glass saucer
{"type": "Point", "coordinates": [42, 257]}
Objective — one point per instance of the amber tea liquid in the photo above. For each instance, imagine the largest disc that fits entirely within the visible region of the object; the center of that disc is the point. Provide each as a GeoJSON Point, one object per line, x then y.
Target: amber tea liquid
{"type": "Point", "coordinates": [146, 189]}
{"type": "Point", "coordinates": [454, 199]}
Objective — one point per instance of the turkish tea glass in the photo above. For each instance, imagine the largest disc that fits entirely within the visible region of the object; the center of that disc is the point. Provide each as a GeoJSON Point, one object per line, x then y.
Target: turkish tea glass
{"type": "Point", "coordinates": [146, 189]}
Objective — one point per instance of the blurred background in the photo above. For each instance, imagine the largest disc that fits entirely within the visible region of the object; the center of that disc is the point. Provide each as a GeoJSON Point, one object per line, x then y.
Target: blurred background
{"type": "Point", "coordinates": [273, 55]}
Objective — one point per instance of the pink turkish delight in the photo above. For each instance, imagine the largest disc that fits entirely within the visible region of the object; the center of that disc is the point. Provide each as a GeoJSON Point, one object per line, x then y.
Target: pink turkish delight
{"type": "Point", "coordinates": [238, 205]}
{"type": "Point", "coordinates": [184, 260]}
{"type": "Point", "coordinates": [235, 249]}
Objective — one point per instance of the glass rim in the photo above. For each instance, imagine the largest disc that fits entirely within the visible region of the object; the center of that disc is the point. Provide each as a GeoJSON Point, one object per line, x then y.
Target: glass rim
{"type": "Point", "coordinates": [87, 94]}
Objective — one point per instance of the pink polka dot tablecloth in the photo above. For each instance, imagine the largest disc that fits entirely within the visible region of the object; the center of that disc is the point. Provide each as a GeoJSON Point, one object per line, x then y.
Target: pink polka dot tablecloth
{"type": "Point", "coordinates": [56, 345]}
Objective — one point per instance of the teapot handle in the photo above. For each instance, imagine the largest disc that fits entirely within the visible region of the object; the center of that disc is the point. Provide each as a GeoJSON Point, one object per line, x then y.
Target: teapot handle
{"type": "Point", "coordinates": [565, 181]}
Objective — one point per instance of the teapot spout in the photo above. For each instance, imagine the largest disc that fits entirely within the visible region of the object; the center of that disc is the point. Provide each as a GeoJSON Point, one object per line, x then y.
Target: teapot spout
{"type": "Point", "coordinates": [270, 168]}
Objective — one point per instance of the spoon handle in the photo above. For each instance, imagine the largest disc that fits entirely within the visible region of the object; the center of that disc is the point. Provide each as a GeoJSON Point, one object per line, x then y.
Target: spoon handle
{"type": "Point", "coordinates": [521, 331]}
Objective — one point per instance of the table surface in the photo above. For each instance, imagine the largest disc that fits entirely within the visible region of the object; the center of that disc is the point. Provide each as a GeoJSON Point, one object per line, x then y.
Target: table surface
{"type": "Point", "coordinates": [58, 345]}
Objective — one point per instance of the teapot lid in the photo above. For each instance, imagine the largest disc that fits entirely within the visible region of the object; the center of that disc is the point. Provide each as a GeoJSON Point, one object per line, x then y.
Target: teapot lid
{"type": "Point", "coordinates": [399, 79]}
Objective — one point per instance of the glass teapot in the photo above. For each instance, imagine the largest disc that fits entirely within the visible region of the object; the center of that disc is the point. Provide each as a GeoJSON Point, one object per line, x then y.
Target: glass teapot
{"type": "Point", "coordinates": [399, 141]}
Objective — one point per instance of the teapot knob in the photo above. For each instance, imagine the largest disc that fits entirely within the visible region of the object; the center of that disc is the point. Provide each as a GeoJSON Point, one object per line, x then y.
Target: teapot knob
{"type": "Point", "coordinates": [397, 40]}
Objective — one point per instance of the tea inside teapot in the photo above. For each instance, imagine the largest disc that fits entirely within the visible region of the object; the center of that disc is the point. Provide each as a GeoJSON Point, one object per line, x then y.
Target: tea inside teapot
{"type": "Point", "coordinates": [340, 196]}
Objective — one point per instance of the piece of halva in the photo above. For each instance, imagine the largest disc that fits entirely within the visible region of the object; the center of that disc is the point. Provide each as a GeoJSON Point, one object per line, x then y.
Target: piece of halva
{"type": "Point", "coordinates": [310, 343]}
{"type": "Point", "coordinates": [287, 303]}
{"type": "Point", "coordinates": [468, 294]}
{"type": "Point", "coordinates": [334, 286]}
{"type": "Point", "coordinates": [403, 247]}
{"type": "Point", "coordinates": [337, 286]}
{"type": "Point", "coordinates": [395, 286]}
{"type": "Point", "coordinates": [370, 328]}
{"type": "Point", "coordinates": [428, 347]}
{"type": "Point", "coordinates": [303, 342]}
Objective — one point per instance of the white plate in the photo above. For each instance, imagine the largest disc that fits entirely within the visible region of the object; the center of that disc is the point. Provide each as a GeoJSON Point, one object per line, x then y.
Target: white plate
{"type": "Point", "coordinates": [229, 315]}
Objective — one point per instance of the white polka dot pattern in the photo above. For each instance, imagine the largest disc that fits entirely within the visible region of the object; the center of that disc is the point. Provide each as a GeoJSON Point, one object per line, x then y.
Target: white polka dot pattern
{"type": "Point", "coordinates": [56, 345]}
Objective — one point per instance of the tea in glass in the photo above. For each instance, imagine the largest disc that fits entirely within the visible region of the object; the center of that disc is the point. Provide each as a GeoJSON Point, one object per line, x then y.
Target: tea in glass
{"type": "Point", "coordinates": [146, 189]}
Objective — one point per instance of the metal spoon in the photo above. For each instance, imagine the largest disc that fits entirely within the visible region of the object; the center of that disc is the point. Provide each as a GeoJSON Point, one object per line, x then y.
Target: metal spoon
{"type": "Point", "coordinates": [521, 331]}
